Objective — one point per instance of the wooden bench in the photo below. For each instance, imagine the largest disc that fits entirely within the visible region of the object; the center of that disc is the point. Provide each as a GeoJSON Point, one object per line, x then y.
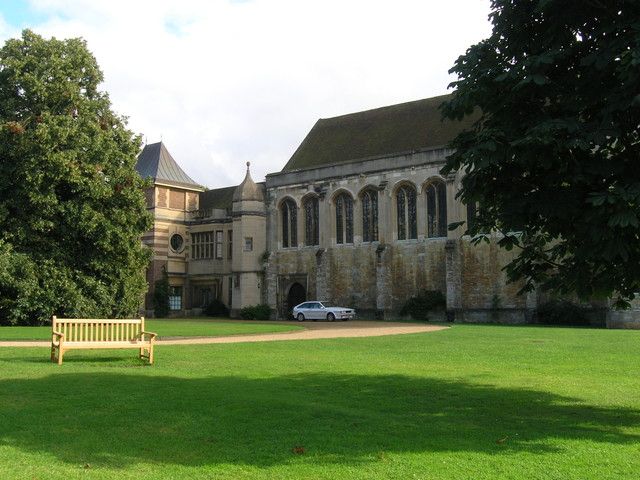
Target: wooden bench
{"type": "Point", "coordinates": [82, 333]}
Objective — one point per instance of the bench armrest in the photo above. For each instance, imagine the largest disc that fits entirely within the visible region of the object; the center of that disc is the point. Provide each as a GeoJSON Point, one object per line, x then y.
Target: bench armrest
{"type": "Point", "coordinates": [151, 334]}
{"type": "Point", "coordinates": [55, 334]}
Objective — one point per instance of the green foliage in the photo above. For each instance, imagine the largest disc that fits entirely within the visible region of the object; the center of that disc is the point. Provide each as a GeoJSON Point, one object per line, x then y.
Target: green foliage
{"type": "Point", "coordinates": [554, 155]}
{"type": "Point", "coordinates": [161, 295]}
{"type": "Point", "coordinates": [418, 307]}
{"type": "Point", "coordinates": [216, 309]}
{"type": "Point", "coordinates": [256, 312]}
{"type": "Point", "coordinates": [72, 208]}
{"type": "Point", "coordinates": [562, 312]}
{"type": "Point", "coordinates": [30, 291]}
{"type": "Point", "coordinates": [18, 288]}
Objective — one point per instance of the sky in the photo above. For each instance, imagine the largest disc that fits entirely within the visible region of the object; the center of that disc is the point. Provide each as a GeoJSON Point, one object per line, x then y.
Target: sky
{"type": "Point", "coordinates": [224, 82]}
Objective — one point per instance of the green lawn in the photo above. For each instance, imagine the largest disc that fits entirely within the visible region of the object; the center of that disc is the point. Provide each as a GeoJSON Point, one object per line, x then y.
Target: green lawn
{"type": "Point", "coordinates": [187, 327]}
{"type": "Point", "coordinates": [471, 402]}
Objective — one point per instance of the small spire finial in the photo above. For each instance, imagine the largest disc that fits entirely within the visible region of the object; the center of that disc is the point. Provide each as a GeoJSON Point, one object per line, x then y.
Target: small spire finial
{"type": "Point", "coordinates": [248, 164]}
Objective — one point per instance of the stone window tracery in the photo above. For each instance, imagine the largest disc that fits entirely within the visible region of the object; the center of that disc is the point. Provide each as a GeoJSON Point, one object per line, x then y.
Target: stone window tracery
{"type": "Point", "coordinates": [311, 224]}
{"type": "Point", "coordinates": [436, 209]}
{"type": "Point", "coordinates": [289, 223]}
{"type": "Point", "coordinates": [344, 218]}
{"type": "Point", "coordinates": [406, 209]}
{"type": "Point", "coordinates": [370, 216]}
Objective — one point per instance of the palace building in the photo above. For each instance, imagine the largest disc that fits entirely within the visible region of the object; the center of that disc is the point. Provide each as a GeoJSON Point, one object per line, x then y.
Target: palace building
{"type": "Point", "coordinates": [358, 217]}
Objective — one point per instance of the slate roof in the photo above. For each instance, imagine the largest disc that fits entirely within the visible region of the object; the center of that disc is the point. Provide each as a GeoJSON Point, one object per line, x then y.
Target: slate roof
{"type": "Point", "coordinates": [156, 162]}
{"type": "Point", "coordinates": [380, 132]}
{"type": "Point", "coordinates": [217, 198]}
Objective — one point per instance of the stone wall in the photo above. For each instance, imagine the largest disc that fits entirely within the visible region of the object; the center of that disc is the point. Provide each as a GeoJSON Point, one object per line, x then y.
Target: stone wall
{"type": "Point", "coordinates": [377, 278]}
{"type": "Point", "coordinates": [625, 318]}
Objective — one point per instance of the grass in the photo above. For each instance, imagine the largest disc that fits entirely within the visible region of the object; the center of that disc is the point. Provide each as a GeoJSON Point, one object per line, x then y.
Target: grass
{"type": "Point", "coordinates": [187, 327]}
{"type": "Point", "coordinates": [479, 402]}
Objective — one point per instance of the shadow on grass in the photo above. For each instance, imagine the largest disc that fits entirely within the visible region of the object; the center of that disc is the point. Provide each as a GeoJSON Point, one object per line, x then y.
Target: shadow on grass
{"type": "Point", "coordinates": [117, 420]}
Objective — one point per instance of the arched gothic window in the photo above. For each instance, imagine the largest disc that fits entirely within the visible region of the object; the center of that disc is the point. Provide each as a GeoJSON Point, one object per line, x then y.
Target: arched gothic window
{"type": "Point", "coordinates": [370, 216]}
{"type": "Point", "coordinates": [436, 209]}
{"type": "Point", "coordinates": [406, 204]}
{"type": "Point", "coordinates": [289, 223]}
{"type": "Point", "coordinates": [344, 218]}
{"type": "Point", "coordinates": [311, 224]}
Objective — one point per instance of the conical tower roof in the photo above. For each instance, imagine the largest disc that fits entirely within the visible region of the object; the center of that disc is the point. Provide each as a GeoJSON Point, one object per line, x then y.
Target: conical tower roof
{"type": "Point", "coordinates": [156, 162]}
{"type": "Point", "coordinates": [248, 189]}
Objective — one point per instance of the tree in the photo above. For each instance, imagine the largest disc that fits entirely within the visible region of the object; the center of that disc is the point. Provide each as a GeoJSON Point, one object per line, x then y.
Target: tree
{"type": "Point", "coordinates": [161, 307]}
{"type": "Point", "coordinates": [72, 208]}
{"type": "Point", "coordinates": [553, 161]}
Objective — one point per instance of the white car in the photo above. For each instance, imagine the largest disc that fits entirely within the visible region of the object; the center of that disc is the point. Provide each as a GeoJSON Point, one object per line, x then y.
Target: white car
{"type": "Point", "coordinates": [314, 310]}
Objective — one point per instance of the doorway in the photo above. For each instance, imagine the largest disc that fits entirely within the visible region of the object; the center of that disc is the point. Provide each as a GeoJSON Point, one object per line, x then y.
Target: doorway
{"type": "Point", "coordinates": [297, 294]}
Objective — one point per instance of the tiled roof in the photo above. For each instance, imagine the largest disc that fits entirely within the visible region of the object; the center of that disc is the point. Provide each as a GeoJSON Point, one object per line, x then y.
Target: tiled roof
{"type": "Point", "coordinates": [380, 132]}
{"type": "Point", "coordinates": [156, 162]}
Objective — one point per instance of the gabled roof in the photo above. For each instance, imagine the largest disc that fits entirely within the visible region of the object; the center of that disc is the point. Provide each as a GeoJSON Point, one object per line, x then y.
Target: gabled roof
{"type": "Point", "coordinates": [405, 127]}
{"type": "Point", "coordinates": [156, 162]}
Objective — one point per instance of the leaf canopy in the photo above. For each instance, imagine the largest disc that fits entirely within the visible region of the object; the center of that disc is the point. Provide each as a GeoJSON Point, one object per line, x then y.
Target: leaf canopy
{"type": "Point", "coordinates": [72, 208]}
{"type": "Point", "coordinates": [554, 161]}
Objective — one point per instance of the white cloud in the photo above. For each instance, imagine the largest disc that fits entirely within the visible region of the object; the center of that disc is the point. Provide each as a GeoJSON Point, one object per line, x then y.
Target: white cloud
{"type": "Point", "coordinates": [6, 31]}
{"type": "Point", "coordinates": [228, 82]}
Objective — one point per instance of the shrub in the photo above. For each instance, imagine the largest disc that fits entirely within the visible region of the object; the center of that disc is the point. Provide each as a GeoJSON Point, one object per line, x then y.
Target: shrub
{"type": "Point", "coordinates": [562, 312]}
{"type": "Point", "coordinates": [216, 309]}
{"type": "Point", "coordinates": [419, 306]}
{"type": "Point", "coordinates": [256, 312]}
{"type": "Point", "coordinates": [161, 296]}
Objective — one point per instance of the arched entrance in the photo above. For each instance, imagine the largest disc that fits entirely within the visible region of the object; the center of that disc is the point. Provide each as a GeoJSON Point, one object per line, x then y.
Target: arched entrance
{"type": "Point", "coordinates": [297, 294]}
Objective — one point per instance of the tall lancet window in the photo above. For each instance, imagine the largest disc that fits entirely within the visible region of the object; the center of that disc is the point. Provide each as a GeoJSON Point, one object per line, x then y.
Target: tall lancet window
{"type": "Point", "coordinates": [436, 209]}
{"type": "Point", "coordinates": [289, 213]}
{"type": "Point", "coordinates": [406, 208]}
{"type": "Point", "coordinates": [311, 225]}
{"type": "Point", "coordinates": [344, 218]}
{"type": "Point", "coordinates": [370, 216]}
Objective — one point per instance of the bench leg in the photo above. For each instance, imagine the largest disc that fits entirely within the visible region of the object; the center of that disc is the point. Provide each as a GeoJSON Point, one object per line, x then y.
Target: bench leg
{"type": "Point", "coordinates": [151, 354]}
{"type": "Point", "coordinates": [53, 353]}
{"type": "Point", "coordinates": [60, 354]}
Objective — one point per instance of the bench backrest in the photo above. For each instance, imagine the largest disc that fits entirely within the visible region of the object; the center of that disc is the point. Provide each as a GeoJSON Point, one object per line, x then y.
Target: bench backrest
{"type": "Point", "coordinates": [98, 330]}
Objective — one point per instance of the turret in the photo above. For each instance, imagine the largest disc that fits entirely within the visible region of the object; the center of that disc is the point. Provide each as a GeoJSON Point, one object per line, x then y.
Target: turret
{"type": "Point", "coordinates": [249, 243]}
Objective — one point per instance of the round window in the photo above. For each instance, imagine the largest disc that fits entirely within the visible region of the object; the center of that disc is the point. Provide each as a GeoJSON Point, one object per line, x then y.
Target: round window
{"type": "Point", "coordinates": [176, 242]}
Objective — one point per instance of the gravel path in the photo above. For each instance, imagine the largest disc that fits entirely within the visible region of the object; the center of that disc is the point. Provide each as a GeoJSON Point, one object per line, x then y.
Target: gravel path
{"type": "Point", "coordinates": [312, 331]}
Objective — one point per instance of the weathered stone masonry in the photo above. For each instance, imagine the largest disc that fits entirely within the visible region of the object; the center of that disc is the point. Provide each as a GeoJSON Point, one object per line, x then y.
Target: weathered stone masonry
{"type": "Point", "coordinates": [356, 217]}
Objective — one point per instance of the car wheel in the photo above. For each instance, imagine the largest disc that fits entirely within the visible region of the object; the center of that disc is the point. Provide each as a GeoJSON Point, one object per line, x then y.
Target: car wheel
{"type": "Point", "coordinates": [300, 317]}
{"type": "Point", "coordinates": [331, 317]}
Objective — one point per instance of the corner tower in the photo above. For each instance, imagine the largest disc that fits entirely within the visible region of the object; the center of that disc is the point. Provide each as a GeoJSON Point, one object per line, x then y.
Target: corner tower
{"type": "Point", "coordinates": [170, 198]}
